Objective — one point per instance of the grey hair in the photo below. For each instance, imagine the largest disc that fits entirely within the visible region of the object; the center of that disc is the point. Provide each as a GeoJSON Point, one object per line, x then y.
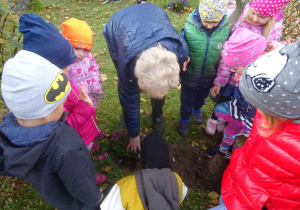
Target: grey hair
{"type": "Point", "coordinates": [157, 71]}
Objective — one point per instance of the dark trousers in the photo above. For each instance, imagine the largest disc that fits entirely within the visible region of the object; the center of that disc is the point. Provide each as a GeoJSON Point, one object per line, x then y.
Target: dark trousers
{"type": "Point", "coordinates": [191, 98]}
{"type": "Point", "coordinates": [157, 105]}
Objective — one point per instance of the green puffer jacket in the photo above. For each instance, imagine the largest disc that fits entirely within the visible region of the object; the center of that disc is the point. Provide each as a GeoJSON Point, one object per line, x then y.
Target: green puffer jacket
{"type": "Point", "coordinates": [204, 51]}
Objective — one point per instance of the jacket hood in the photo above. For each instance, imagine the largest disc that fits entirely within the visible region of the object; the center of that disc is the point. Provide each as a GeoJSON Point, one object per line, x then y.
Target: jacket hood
{"type": "Point", "coordinates": [17, 161]}
{"type": "Point", "coordinates": [158, 188]}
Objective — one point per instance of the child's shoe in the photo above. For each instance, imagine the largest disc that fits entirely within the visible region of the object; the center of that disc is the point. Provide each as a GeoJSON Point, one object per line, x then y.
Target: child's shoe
{"type": "Point", "coordinates": [94, 146]}
{"type": "Point", "coordinates": [100, 178]}
{"type": "Point", "coordinates": [211, 126]}
{"type": "Point", "coordinates": [225, 154]}
{"type": "Point", "coordinates": [221, 125]}
{"type": "Point", "coordinates": [216, 150]}
{"type": "Point", "coordinates": [183, 127]}
{"type": "Point", "coordinates": [197, 116]}
{"type": "Point", "coordinates": [213, 151]}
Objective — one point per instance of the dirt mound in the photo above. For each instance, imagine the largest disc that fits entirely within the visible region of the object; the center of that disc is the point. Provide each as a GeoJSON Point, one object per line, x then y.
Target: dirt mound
{"type": "Point", "coordinates": [195, 168]}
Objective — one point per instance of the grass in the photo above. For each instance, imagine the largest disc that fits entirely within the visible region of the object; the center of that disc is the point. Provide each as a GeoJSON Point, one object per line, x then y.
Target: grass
{"type": "Point", "coordinates": [18, 193]}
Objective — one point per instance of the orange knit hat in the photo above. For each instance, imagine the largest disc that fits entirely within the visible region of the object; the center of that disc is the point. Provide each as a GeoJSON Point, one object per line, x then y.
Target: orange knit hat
{"type": "Point", "coordinates": [78, 33]}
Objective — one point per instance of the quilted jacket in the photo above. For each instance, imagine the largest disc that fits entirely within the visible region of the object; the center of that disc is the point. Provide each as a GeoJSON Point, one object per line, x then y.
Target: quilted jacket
{"type": "Point", "coordinates": [265, 171]}
{"type": "Point", "coordinates": [81, 116]}
{"type": "Point", "coordinates": [205, 47]}
{"type": "Point", "coordinates": [128, 33]}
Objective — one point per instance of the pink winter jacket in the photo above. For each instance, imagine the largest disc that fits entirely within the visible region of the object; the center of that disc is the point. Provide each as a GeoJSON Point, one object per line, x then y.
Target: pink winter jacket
{"type": "Point", "coordinates": [81, 116]}
{"type": "Point", "coordinates": [224, 74]}
{"type": "Point", "coordinates": [86, 73]}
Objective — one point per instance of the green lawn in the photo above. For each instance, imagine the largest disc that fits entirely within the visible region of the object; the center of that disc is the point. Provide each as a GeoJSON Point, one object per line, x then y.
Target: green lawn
{"type": "Point", "coordinates": [19, 194]}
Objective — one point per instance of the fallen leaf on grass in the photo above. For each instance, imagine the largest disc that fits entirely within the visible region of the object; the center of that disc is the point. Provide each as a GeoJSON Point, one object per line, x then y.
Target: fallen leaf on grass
{"type": "Point", "coordinates": [147, 130]}
{"type": "Point", "coordinates": [116, 83]}
{"type": "Point", "coordinates": [103, 77]}
{"type": "Point", "coordinates": [166, 114]}
{"type": "Point", "coordinates": [106, 169]}
{"type": "Point", "coordinates": [167, 138]}
{"type": "Point", "coordinates": [213, 195]}
{"type": "Point", "coordinates": [178, 87]}
{"type": "Point", "coordinates": [143, 111]}
{"type": "Point", "coordinates": [194, 144]}
{"type": "Point", "coordinates": [203, 147]}
{"type": "Point", "coordinates": [143, 99]}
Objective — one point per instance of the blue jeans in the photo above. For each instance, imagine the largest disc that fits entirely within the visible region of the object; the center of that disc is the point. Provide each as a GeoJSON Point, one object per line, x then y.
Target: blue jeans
{"type": "Point", "coordinates": [191, 98]}
{"type": "Point", "coordinates": [221, 206]}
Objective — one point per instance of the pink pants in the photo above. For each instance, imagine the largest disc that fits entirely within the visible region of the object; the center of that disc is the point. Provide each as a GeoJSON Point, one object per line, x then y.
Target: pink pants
{"type": "Point", "coordinates": [233, 128]}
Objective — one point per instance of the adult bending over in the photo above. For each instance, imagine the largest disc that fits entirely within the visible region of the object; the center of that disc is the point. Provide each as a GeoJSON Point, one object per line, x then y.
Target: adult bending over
{"type": "Point", "coordinates": [147, 53]}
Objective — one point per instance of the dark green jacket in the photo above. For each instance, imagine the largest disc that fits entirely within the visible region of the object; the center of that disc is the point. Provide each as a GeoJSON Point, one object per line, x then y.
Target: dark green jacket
{"type": "Point", "coordinates": [205, 47]}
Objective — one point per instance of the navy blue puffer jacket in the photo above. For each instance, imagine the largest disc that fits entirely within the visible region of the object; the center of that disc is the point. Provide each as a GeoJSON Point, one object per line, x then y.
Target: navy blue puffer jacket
{"type": "Point", "coordinates": [128, 33]}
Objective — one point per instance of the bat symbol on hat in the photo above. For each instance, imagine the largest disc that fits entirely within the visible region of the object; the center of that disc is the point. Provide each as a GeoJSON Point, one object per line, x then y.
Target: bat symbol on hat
{"type": "Point", "coordinates": [57, 89]}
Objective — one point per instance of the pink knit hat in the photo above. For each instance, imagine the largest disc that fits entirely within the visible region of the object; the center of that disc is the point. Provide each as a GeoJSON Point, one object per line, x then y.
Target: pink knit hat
{"type": "Point", "coordinates": [268, 7]}
{"type": "Point", "coordinates": [243, 47]}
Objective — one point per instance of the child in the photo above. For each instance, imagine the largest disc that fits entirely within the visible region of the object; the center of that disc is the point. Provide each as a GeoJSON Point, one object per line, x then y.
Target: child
{"type": "Point", "coordinates": [242, 48]}
{"type": "Point", "coordinates": [35, 141]}
{"type": "Point", "coordinates": [85, 71]}
{"type": "Point", "coordinates": [45, 40]}
{"type": "Point", "coordinates": [155, 186]}
{"type": "Point", "coordinates": [82, 117]}
{"type": "Point", "coordinates": [206, 29]}
{"type": "Point", "coordinates": [262, 17]}
{"type": "Point", "coordinates": [265, 172]}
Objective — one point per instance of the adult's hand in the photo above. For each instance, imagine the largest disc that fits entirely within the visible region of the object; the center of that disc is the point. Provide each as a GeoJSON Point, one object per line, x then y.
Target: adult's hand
{"type": "Point", "coordinates": [184, 65]}
{"type": "Point", "coordinates": [215, 90]}
{"type": "Point", "coordinates": [134, 143]}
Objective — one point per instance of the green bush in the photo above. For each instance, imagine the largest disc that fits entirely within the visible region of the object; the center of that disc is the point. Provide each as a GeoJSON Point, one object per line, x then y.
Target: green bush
{"type": "Point", "coordinates": [9, 34]}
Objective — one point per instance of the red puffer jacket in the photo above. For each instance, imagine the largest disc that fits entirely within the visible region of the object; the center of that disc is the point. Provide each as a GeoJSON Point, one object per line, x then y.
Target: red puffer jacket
{"type": "Point", "coordinates": [265, 171]}
{"type": "Point", "coordinates": [81, 116]}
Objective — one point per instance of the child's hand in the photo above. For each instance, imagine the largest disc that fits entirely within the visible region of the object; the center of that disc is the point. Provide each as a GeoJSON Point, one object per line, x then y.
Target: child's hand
{"type": "Point", "coordinates": [184, 65]}
{"type": "Point", "coordinates": [215, 90]}
{"type": "Point", "coordinates": [84, 97]}
{"type": "Point", "coordinates": [269, 47]}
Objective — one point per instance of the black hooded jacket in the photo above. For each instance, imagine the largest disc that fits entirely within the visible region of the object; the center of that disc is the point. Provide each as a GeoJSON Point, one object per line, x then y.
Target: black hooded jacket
{"type": "Point", "coordinates": [60, 168]}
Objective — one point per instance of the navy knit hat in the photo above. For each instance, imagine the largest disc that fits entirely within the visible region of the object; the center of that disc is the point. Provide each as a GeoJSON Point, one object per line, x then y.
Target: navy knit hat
{"type": "Point", "coordinates": [155, 152]}
{"type": "Point", "coordinates": [44, 39]}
